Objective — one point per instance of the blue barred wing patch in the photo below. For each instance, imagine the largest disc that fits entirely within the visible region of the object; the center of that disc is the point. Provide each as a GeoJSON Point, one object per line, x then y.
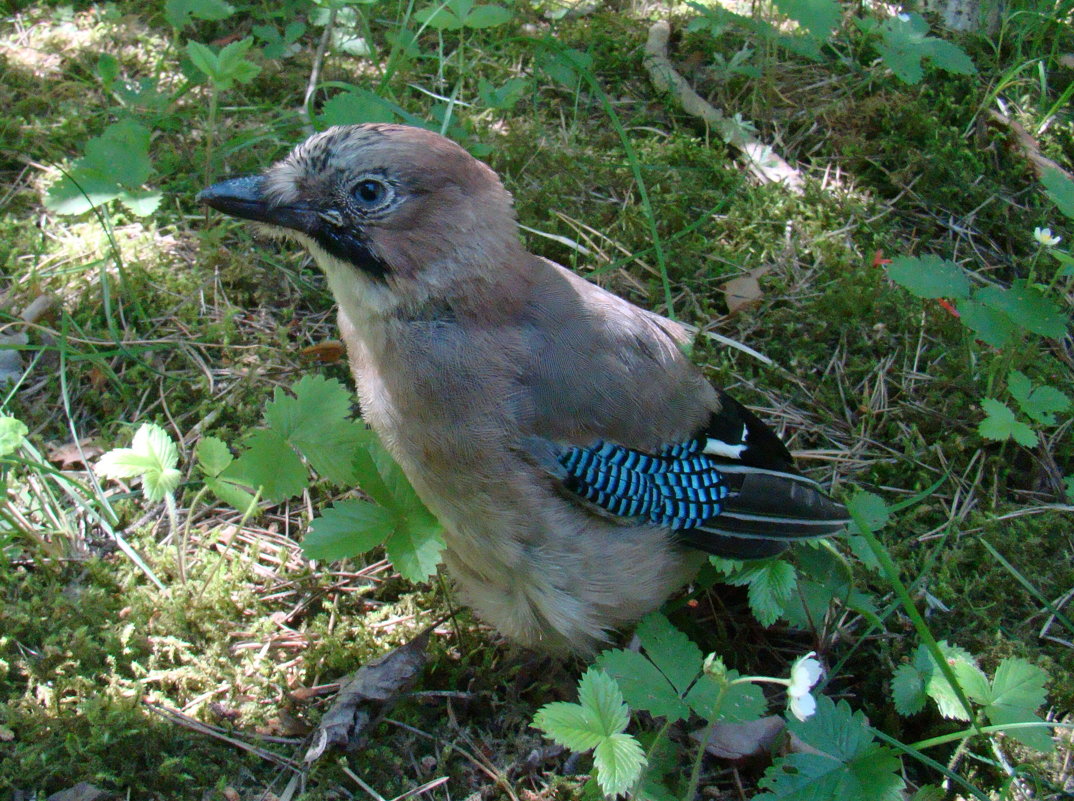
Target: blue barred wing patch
{"type": "Point", "coordinates": [680, 487]}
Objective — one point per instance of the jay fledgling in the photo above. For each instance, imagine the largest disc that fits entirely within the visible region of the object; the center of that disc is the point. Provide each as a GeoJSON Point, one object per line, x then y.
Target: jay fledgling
{"type": "Point", "coordinates": [580, 464]}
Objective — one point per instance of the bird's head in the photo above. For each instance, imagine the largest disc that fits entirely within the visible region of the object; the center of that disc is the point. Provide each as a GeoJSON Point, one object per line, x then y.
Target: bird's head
{"type": "Point", "coordinates": [394, 215]}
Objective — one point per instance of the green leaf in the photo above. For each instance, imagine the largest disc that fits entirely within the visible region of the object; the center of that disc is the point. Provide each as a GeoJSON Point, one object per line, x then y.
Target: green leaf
{"type": "Point", "coordinates": [1061, 190]}
{"type": "Point", "coordinates": [908, 690]}
{"type": "Point", "coordinates": [12, 434]}
{"type": "Point", "coordinates": [819, 17]}
{"type": "Point", "coordinates": [599, 714]}
{"type": "Point", "coordinates": [355, 106]}
{"type": "Point", "coordinates": [107, 70]}
{"type": "Point", "coordinates": [969, 677]}
{"type": "Point", "coordinates": [1068, 487]}
{"type": "Point", "coordinates": [570, 725]}
{"type": "Point", "coordinates": [230, 493]}
{"type": "Point", "coordinates": [316, 422]}
{"type": "Point", "coordinates": [122, 153]}
{"type": "Point", "coordinates": [848, 765]}
{"type": "Point", "coordinates": [949, 56]}
{"type": "Point", "coordinates": [416, 545]}
{"type": "Point", "coordinates": [905, 43]}
{"type": "Point", "coordinates": [203, 58]}
{"type": "Point", "coordinates": [598, 692]}
{"type": "Point", "coordinates": [441, 19]}
{"type": "Point", "coordinates": [1017, 691]}
{"type": "Point", "coordinates": [139, 203]}
{"type": "Point", "coordinates": [771, 585]}
{"type": "Point", "coordinates": [1028, 307]}
{"type": "Point", "coordinates": [771, 582]}
{"type": "Point", "coordinates": [347, 529]}
{"type": "Point", "coordinates": [80, 191]}
{"type": "Point", "coordinates": [930, 277]}
{"type": "Point", "coordinates": [674, 654]}
{"type": "Point", "coordinates": [991, 326]}
{"type": "Point", "coordinates": [1000, 424]}
{"type": "Point", "coordinates": [643, 685]}
{"type": "Point", "coordinates": [152, 456]}
{"type": "Point", "coordinates": [723, 701]}
{"type": "Point", "coordinates": [271, 464]}
{"type": "Point", "coordinates": [1038, 403]}
{"type": "Point", "coordinates": [486, 17]}
{"type": "Point", "coordinates": [213, 456]}
{"type": "Point", "coordinates": [619, 759]}
{"type": "Point", "coordinates": [871, 508]}
{"type": "Point", "coordinates": [179, 13]}
{"type": "Point", "coordinates": [504, 97]}
{"type": "Point", "coordinates": [566, 67]}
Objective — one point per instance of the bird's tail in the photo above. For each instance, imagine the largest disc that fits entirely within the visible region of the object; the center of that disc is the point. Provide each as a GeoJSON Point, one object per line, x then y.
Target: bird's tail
{"type": "Point", "coordinates": [764, 512]}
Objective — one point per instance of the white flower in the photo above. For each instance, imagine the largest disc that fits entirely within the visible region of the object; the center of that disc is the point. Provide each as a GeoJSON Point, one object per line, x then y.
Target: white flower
{"type": "Point", "coordinates": [904, 17]}
{"type": "Point", "coordinates": [1045, 237]}
{"type": "Point", "coordinates": [804, 674]}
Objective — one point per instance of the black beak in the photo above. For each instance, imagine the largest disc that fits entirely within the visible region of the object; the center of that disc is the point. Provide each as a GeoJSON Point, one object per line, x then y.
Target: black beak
{"type": "Point", "coordinates": [244, 198]}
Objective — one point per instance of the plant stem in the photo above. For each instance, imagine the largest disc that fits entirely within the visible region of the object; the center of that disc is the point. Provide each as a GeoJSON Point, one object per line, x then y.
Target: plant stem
{"type": "Point", "coordinates": [173, 530]}
{"type": "Point", "coordinates": [210, 138]}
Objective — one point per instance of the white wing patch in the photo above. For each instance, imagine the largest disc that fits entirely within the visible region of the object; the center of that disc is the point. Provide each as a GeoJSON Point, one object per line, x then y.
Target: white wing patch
{"type": "Point", "coordinates": [717, 447]}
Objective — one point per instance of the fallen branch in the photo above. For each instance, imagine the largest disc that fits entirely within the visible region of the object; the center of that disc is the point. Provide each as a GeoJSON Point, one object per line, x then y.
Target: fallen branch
{"type": "Point", "coordinates": [761, 159]}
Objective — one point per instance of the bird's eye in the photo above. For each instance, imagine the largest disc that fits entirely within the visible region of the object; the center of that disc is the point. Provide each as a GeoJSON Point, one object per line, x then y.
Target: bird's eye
{"type": "Point", "coordinates": [371, 193]}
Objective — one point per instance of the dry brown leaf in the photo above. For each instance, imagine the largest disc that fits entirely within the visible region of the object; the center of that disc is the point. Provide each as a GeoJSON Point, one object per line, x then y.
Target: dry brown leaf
{"type": "Point", "coordinates": [83, 791]}
{"type": "Point", "coordinates": [745, 291]}
{"type": "Point", "coordinates": [73, 454]}
{"type": "Point", "coordinates": [367, 695]}
{"type": "Point", "coordinates": [743, 740]}
{"type": "Point", "coordinates": [331, 350]}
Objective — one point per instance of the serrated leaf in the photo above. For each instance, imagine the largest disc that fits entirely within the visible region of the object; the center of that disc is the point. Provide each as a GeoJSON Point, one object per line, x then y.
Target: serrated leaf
{"type": "Point", "coordinates": [12, 434]}
{"type": "Point", "coordinates": [949, 56]}
{"type": "Point", "coordinates": [140, 203]}
{"type": "Point", "coordinates": [416, 546]}
{"type": "Point", "coordinates": [872, 509]}
{"type": "Point", "coordinates": [180, 13]}
{"type": "Point", "coordinates": [570, 725]}
{"type": "Point", "coordinates": [930, 277]}
{"type": "Point", "coordinates": [356, 106]}
{"type": "Point", "coordinates": [991, 326]}
{"type": "Point", "coordinates": [600, 713]}
{"type": "Point", "coordinates": [771, 585]}
{"type": "Point", "coordinates": [673, 653]}
{"type": "Point", "coordinates": [1038, 403]}
{"type": "Point", "coordinates": [1000, 424]}
{"type": "Point", "coordinates": [908, 690]}
{"type": "Point", "coordinates": [1060, 189]}
{"type": "Point", "coordinates": [849, 766]}
{"type": "Point", "coordinates": [1027, 306]}
{"type": "Point", "coordinates": [503, 97]}
{"type": "Point", "coordinates": [819, 17]}
{"type": "Point", "coordinates": [316, 423]}
{"type": "Point", "coordinates": [619, 759]}
{"type": "Point", "coordinates": [152, 456]}
{"type": "Point", "coordinates": [203, 58]}
{"type": "Point", "coordinates": [235, 496]}
{"type": "Point", "coordinates": [642, 684]}
{"type": "Point", "coordinates": [725, 702]}
{"type": "Point", "coordinates": [566, 67]}
{"type": "Point", "coordinates": [437, 18]}
{"type": "Point", "coordinates": [973, 682]}
{"type": "Point", "coordinates": [121, 152]}
{"type": "Point", "coordinates": [486, 17]}
{"type": "Point", "coordinates": [347, 529]}
{"type": "Point", "coordinates": [213, 456]}
{"type": "Point", "coordinates": [81, 190]}
{"type": "Point", "coordinates": [1017, 691]}
{"type": "Point", "coordinates": [598, 692]}
{"type": "Point", "coordinates": [271, 464]}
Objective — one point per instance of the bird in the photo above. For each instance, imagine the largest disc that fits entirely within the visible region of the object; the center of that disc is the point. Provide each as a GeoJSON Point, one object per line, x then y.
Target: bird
{"type": "Point", "coordinates": [581, 465]}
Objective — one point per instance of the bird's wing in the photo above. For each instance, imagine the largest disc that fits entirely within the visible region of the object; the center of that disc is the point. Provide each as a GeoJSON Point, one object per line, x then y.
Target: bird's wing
{"type": "Point", "coordinates": [627, 426]}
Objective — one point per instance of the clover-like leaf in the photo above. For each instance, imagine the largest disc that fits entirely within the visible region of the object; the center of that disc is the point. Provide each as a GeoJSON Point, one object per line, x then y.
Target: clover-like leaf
{"type": "Point", "coordinates": [1001, 424]}
{"type": "Point", "coordinates": [152, 457]}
